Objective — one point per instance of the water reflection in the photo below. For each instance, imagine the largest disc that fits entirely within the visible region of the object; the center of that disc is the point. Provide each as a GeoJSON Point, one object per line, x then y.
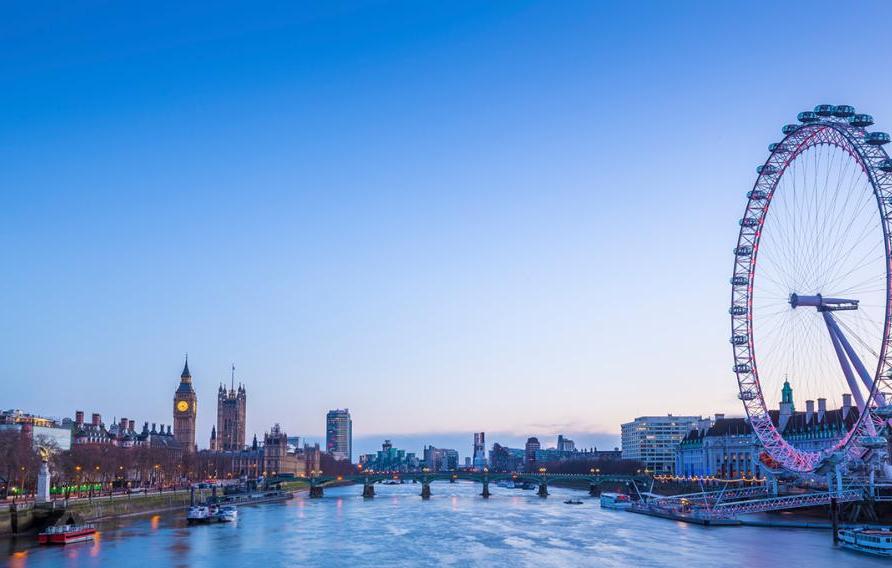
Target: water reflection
{"type": "Point", "coordinates": [455, 527]}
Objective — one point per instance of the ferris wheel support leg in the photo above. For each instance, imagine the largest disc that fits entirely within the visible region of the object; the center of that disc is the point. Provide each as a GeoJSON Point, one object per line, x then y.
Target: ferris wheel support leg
{"type": "Point", "coordinates": [839, 343]}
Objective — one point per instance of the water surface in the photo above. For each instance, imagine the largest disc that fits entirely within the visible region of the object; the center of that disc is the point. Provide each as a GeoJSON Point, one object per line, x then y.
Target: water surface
{"type": "Point", "coordinates": [454, 528]}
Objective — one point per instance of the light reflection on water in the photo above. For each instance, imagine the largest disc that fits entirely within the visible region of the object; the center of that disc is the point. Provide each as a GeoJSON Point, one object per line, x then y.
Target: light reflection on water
{"type": "Point", "coordinates": [456, 527]}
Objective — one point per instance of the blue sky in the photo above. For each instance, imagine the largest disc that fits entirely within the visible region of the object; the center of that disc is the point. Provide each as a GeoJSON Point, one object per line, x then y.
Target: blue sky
{"type": "Point", "coordinates": [449, 217]}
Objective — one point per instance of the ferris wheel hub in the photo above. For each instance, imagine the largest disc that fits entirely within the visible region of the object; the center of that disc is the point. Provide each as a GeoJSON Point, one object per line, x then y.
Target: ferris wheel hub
{"type": "Point", "coordinates": [823, 304]}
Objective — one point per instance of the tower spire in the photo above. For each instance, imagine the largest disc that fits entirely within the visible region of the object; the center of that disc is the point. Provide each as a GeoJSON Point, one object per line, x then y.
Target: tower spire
{"type": "Point", "coordinates": [186, 373]}
{"type": "Point", "coordinates": [232, 380]}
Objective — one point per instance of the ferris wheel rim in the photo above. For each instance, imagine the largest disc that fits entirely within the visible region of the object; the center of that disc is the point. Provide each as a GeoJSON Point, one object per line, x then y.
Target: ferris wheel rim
{"type": "Point", "coordinates": [852, 139]}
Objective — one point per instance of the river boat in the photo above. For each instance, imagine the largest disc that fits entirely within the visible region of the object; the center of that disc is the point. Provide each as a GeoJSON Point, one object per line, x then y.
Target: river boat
{"type": "Point", "coordinates": [514, 484]}
{"type": "Point", "coordinates": [877, 542]}
{"type": "Point", "coordinates": [572, 502]}
{"type": "Point", "coordinates": [227, 514]}
{"type": "Point", "coordinates": [618, 501]}
{"type": "Point", "coordinates": [67, 534]}
{"type": "Point", "coordinates": [253, 497]}
{"type": "Point", "coordinates": [198, 514]}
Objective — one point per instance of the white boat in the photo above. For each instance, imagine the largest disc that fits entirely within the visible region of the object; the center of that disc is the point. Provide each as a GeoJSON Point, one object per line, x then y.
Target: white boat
{"type": "Point", "coordinates": [615, 501]}
{"type": "Point", "coordinates": [506, 483]}
{"type": "Point", "coordinates": [227, 514]}
{"type": "Point", "coordinates": [198, 514]}
{"type": "Point", "coordinates": [870, 541]}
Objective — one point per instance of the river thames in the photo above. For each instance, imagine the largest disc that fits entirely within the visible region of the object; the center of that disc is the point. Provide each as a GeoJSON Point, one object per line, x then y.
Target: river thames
{"type": "Point", "coordinates": [455, 527]}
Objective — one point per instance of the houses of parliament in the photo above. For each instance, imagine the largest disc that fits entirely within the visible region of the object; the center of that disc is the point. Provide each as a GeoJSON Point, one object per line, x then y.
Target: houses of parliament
{"type": "Point", "coordinates": [229, 455]}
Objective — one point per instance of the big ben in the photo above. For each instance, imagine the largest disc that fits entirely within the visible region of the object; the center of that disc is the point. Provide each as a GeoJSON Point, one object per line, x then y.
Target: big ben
{"type": "Point", "coordinates": [185, 408]}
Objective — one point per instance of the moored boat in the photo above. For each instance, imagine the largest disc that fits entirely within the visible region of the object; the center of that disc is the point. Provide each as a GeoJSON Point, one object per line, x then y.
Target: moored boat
{"type": "Point", "coordinates": [877, 542]}
{"type": "Point", "coordinates": [227, 514]}
{"type": "Point", "coordinates": [615, 501]}
{"type": "Point", "coordinates": [198, 514]}
{"type": "Point", "coordinates": [67, 534]}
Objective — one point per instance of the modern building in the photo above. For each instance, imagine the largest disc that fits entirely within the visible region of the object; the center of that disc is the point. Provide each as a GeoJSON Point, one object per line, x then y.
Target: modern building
{"type": "Point", "coordinates": [565, 444]}
{"type": "Point", "coordinates": [229, 433]}
{"type": "Point", "coordinates": [389, 459]}
{"type": "Point", "coordinates": [42, 431]}
{"type": "Point", "coordinates": [185, 410]}
{"type": "Point", "coordinates": [529, 456]}
{"type": "Point", "coordinates": [502, 458]}
{"type": "Point", "coordinates": [339, 434]}
{"type": "Point", "coordinates": [653, 440]}
{"type": "Point", "coordinates": [440, 459]}
{"type": "Point", "coordinates": [479, 455]}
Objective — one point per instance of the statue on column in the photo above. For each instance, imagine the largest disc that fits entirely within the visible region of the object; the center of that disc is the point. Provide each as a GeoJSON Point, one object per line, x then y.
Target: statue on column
{"type": "Point", "coordinates": [43, 476]}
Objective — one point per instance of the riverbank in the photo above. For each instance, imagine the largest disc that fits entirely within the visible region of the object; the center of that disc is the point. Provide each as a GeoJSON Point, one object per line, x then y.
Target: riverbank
{"type": "Point", "coordinates": [23, 518]}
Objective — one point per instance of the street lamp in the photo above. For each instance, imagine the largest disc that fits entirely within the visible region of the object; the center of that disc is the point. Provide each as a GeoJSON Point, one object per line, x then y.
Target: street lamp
{"type": "Point", "coordinates": [542, 470]}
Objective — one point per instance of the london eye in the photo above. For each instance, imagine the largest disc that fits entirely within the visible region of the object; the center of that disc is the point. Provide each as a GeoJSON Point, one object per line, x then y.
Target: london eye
{"type": "Point", "coordinates": [811, 291]}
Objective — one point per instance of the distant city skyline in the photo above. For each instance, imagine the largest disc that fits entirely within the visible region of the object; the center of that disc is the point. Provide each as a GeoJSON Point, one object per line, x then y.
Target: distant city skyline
{"type": "Point", "coordinates": [505, 218]}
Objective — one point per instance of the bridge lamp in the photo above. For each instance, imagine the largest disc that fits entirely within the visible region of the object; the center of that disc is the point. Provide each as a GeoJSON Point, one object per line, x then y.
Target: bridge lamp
{"type": "Point", "coordinates": [542, 470]}
{"type": "Point", "coordinates": [485, 470]}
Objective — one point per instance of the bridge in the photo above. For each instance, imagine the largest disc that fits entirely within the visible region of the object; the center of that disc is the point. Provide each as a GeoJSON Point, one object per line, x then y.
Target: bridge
{"type": "Point", "coordinates": [318, 481]}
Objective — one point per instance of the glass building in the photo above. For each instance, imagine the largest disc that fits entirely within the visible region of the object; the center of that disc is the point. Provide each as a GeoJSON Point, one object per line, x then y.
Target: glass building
{"type": "Point", "coordinates": [339, 434]}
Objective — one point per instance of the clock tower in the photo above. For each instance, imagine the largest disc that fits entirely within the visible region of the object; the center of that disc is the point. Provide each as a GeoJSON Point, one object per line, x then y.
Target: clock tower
{"type": "Point", "coordinates": [184, 411]}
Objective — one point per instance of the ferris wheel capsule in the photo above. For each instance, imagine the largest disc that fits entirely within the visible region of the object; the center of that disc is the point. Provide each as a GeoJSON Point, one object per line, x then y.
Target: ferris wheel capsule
{"type": "Point", "coordinates": [843, 111]}
{"type": "Point", "coordinates": [861, 120]}
{"type": "Point", "coordinates": [790, 128]}
{"type": "Point", "coordinates": [886, 165]}
{"type": "Point", "coordinates": [756, 194]}
{"type": "Point", "coordinates": [766, 169]}
{"type": "Point", "coordinates": [778, 148]}
{"type": "Point", "coordinates": [807, 117]}
{"type": "Point", "coordinates": [877, 138]}
{"type": "Point", "coordinates": [739, 281]}
{"type": "Point", "coordinates": [824, 110]}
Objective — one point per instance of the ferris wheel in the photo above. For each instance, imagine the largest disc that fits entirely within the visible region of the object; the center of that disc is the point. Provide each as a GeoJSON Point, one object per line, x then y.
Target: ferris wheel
{"type": "Point", "coordinates": [811, 291]}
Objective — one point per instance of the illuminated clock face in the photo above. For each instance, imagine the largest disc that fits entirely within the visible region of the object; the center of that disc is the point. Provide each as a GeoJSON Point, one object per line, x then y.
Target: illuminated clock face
{"type": "Point", "coordinates": [182, 406]}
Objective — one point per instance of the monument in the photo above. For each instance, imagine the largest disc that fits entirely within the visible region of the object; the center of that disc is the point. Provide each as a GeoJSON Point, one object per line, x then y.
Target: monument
{"type": "Point", "coordinates": [43, 477]}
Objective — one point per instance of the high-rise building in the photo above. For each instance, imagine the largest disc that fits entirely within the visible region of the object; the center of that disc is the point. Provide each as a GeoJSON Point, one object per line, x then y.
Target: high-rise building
{"type": "Point", "coordinates": [479, 459]}
{"type": "Point", "coordinates": [231, 417]}
{"type": "Point", "coordinates": [565, 444]}
{"type": "Point", "coordinates": [653, 440]}
{"type": "Point", "coordinates": [185, 409]}
{"type": "Point", "coordinates": [529, 453]}
{"type": "Point", "coordinates": [339, 434]}
{"type": "Point", "coordinates": [440, 459]}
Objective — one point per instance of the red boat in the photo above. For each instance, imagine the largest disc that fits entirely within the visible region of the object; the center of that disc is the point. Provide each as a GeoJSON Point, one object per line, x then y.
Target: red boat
{"type": "Point", "coordinates": [66, 534]}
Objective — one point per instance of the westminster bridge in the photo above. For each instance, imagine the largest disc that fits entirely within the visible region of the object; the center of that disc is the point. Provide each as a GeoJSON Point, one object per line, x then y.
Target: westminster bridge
{"type": "Point", "coordinates": [318, 481]}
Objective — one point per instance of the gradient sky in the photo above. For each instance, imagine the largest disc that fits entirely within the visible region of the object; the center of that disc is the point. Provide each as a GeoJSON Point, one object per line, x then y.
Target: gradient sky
{"type": "Point", "coordinates": [448, 217]}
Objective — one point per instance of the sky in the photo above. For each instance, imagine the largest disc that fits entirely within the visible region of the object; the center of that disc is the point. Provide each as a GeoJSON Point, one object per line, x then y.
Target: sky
{"type": "Point", "coordinates": [448, 217]}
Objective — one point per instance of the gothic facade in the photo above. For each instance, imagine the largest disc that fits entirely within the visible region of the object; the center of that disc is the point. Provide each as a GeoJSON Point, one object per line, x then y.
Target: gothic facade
{"type": "Point", "coordinates": [229, 433]}
{"type": "Point", "coordinates": [185, 410]}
